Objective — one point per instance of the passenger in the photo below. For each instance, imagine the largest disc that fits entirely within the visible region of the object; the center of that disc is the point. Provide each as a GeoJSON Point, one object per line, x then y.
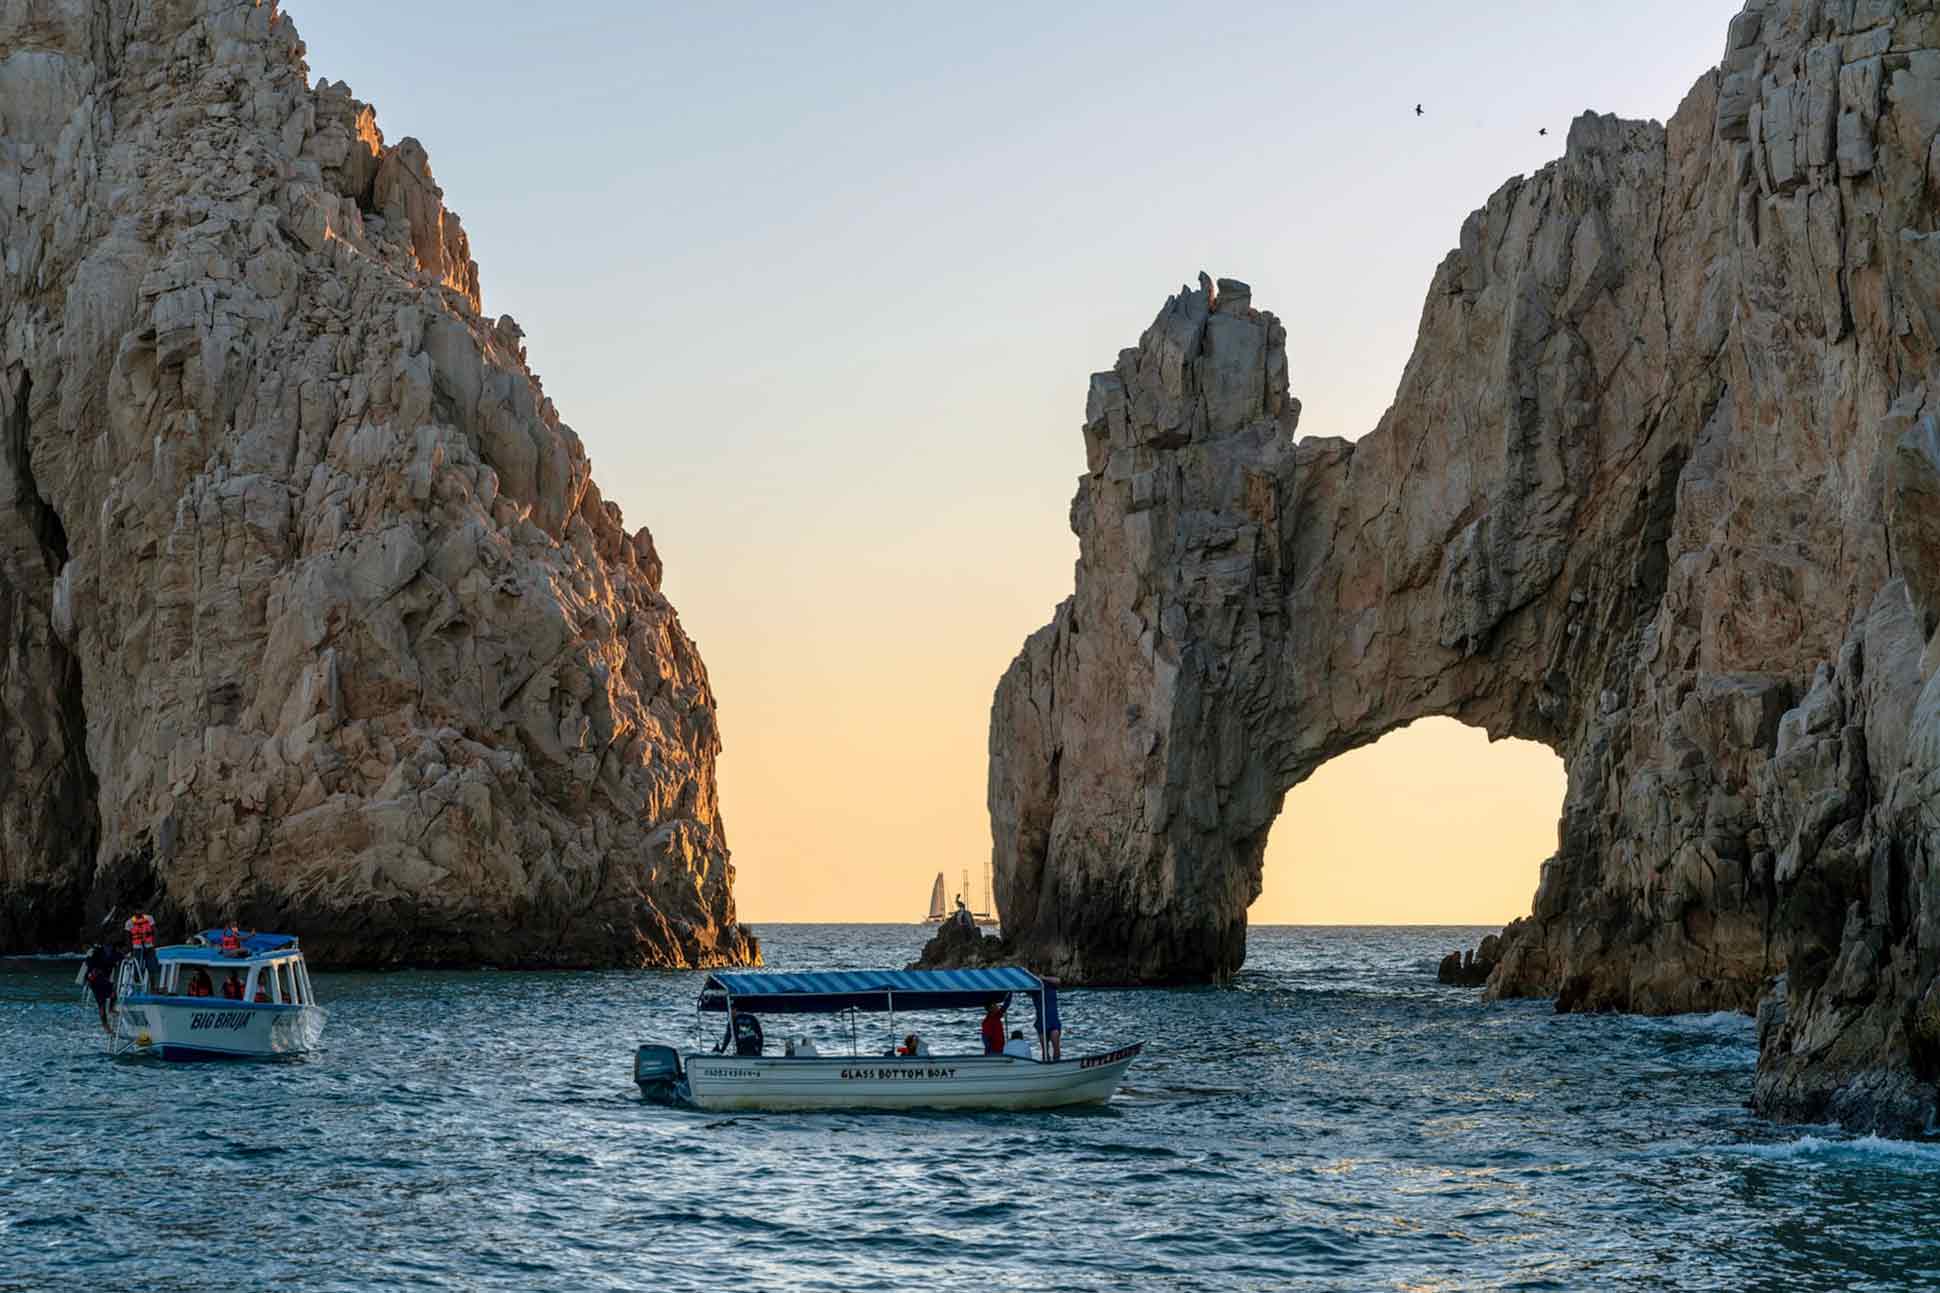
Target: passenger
{"type": "Point", "coordinates": [232, 941]}
{"type": "Point", "coordinates": [232, 987]}
{"type": "Point", "coordinates": [100, 970]}
{"type": "Point", "coordinates": [743, 1033]}
{"type": "Point", "coordinates": [1049, 1024]}
{"type": "Point", "coordinates": [141, 944]}
{"type": "Point", "coordinates": [1017, 1045]}
{"type": "Point", "coordinates": [262, 986]}
{"type": "Point", "coordinates": [993, 1027]}
{"type": "Point", "coordinates": [200, 985]}
{"type": "Point", "coordinates": [914, 1045]}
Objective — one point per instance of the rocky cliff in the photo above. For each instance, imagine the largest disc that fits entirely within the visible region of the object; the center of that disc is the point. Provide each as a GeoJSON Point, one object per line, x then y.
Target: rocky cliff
{"type": "Point", "coordinates": [1660, 488]}
{"type": "Point", "coordinates": [312, 612]}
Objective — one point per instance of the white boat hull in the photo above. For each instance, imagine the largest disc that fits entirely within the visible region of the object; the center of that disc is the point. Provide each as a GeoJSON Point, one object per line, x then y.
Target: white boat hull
{"type": "Point", "coordinates": [721, 1082]}
{"type": "Point", "coordinates": [211, 1028]}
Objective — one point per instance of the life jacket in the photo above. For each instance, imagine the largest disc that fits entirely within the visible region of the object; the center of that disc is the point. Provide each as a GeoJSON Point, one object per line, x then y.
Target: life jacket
{"type": "Point", "coordinates": [231, 942]}
{"type": "Point", "coordinates": [141, 930]}
{"type": "Point", "coordinates": [197, 988]}
{"type": "Point", "coordinates": [232, 989]}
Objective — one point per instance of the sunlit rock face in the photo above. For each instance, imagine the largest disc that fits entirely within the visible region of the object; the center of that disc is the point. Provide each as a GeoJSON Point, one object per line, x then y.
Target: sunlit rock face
{"type": "Point", "coordinates": [1660, 488]}
{"type": "Point", "coordinates": [315, 617]}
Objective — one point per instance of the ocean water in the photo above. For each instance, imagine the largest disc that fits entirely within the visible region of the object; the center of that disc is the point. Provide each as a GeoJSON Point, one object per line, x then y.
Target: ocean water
{"type": "Point", "coordinates": [1334, 1119]}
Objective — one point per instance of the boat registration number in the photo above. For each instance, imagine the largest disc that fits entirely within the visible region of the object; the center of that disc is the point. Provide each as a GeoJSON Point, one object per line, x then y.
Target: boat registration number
{"type": "Point", "coordinates": [870, 1075]}
{"type": "Point", "coordinates": [1099, 1061]}
{"type": "Point", "coordinates": [218, 1019]}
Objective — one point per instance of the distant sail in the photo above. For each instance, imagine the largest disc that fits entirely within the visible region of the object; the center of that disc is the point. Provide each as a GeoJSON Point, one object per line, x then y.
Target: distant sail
{"type": "Point", "coordinates": [936, 899]}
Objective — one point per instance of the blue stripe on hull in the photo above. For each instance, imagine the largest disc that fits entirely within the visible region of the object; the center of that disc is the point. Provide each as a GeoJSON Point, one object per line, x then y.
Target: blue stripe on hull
{"type": "Point", "coordinates": [205, 1053]}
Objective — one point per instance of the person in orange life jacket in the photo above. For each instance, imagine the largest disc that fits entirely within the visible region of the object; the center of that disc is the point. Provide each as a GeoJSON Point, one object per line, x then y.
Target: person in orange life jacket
{"type": "Point", "coordinates": [232, 987]}
{"type": "Point", "coordinates": [993, 1027]}
{"type": "Point", "coordinates": [232, 942]}
{"type": "Point", "coordinates": [743, 1033]}
{"type": "Point", "coordinates": [262, 987]}
{"type": "Point", "coordinates": [200, 984]}
{"type": "Point", "coordinates": [141, 944]}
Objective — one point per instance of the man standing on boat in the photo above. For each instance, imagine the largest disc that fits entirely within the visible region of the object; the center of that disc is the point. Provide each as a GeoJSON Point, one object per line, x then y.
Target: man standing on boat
{"type": "Point", "coordinates": [1050, 1028]}
{"type": "Point", "coordinates": [141, 945]}
{"type": "Point", "coordinates": [993, 1027]}
{"type": "Point", "coordinates": [743, 1033]}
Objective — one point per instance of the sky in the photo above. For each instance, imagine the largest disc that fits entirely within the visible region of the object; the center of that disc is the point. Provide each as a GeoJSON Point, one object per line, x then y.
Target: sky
{"type": "Point", "coordinates": [820, 287]}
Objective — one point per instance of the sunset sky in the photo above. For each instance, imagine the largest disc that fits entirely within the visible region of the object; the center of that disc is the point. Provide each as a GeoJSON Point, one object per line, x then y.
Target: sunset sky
{"type": "Point", "coordinates": [820, 288]}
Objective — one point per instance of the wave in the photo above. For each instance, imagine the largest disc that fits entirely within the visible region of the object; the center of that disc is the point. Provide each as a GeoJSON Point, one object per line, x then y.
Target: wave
{"type": "Point", "coordinates": [1906, 1154]}
{"type": "Point", "coordinates": [1724, 1023]}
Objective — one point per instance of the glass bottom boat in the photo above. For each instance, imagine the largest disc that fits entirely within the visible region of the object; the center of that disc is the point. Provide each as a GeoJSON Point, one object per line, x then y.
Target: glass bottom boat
{"type": "Point", "coordinates": [196, 1001]}
{"type": "Point", "coordinates": [802, 1078]}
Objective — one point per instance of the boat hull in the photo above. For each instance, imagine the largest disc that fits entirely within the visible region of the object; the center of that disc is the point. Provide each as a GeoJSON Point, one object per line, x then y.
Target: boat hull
{"type": "Point", "coordinates": [178, 1028]}
{"type": "Point", "coordinates": [724, 1082]}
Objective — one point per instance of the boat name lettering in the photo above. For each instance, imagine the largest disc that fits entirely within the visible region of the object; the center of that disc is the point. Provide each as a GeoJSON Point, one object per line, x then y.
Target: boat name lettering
{"type": "Point", "coordinates": [1098, 1061]}
{"type": "Point", "coordinates": [228, 1019]}
{"type": "Point", "coordinates": [869, 1075]}
{"type": "Point", "coordinates": [738, 1073]}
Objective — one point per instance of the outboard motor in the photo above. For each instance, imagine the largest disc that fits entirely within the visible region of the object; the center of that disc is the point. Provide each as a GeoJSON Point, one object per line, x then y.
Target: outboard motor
{"type": "Point", "coordinates": [656, 1069]}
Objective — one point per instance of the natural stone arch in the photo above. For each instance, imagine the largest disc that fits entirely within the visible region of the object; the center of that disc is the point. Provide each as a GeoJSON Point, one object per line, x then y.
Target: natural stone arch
{"type": "Point", "coordinates": [1658, 489]}
{"type": "Point", "coordinates": [1248, 607]}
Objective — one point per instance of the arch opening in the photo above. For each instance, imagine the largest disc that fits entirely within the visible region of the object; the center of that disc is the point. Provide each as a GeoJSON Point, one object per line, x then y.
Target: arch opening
{"type": "Point", "coordinates": [1432, 824]}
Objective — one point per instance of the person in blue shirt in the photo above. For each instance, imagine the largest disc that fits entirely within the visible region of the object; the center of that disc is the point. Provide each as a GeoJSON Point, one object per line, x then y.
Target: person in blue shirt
{"type": "Point", "coordinates": [1049, 1024]}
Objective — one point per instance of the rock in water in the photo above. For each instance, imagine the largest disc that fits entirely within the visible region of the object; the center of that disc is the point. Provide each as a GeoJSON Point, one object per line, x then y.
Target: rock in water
{"type": "Point", "coordinates": [958, 946]}
{"type": "Point", "coordinates": [1658, 489]}
{"type": "Point", "coordinates": [1471, 969]}
{"type": "Point", "coordinates": [316, 616]}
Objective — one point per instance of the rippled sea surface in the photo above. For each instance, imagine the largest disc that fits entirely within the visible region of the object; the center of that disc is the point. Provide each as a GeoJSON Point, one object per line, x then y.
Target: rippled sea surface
{"type": "Point", "coordinates": [1332, 1120]}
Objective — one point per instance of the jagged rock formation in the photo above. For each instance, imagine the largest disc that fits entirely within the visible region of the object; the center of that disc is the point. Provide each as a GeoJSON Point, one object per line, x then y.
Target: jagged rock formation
{"type": "Point", "coordinates": [313, 614]}
{"type": "Point", "coordinates": [1657, 489]}
{"type": "Point", "coordinates": [1471, 969]}
{"type": "Point", "coordinates": [958, 946]}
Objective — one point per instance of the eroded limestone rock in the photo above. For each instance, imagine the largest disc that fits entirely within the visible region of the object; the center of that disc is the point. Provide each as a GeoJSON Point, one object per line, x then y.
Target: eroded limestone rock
{"type": "Point", "coordinates": [316, 618]}
{"type": "Point", "coordinates": [1655, 490]}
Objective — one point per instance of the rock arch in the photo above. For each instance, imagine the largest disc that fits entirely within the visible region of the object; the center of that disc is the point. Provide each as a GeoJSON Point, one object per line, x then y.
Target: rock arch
{"type": "Point", "coordinates": [1657, 489]}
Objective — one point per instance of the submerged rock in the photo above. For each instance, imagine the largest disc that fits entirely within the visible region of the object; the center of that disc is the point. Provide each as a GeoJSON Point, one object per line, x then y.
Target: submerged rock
{"type": "Point", "coordinates": [316, 618]}
{"type": "Point", "coordinates": [1657, 490]}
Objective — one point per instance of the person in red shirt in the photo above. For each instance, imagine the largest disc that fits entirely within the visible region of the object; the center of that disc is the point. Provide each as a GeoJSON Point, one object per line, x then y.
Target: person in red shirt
{"type": "Point", "coordinates": [993, 1027]}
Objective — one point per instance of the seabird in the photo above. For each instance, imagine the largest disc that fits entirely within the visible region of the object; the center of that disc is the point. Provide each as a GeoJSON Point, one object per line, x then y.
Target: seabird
{"type": "Point", "coordinates": [1543, 131]}
{"type": "Point", "coordinates": [1417, 109]}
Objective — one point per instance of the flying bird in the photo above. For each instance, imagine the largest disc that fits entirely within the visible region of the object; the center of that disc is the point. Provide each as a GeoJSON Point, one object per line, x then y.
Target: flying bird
{"type": "Point", "coordinates": [1417, 109]}
{"type": "Point", "coordinates": [1543, 131]}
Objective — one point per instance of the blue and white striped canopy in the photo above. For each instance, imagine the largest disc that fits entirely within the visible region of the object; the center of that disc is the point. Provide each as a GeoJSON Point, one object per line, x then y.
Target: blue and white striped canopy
{"type": "Point", "coordinates": [822, 992]}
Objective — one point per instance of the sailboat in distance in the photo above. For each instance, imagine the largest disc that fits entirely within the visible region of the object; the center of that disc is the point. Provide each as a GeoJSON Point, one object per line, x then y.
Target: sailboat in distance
{"type": "Point", "coordinates": [936, 902]}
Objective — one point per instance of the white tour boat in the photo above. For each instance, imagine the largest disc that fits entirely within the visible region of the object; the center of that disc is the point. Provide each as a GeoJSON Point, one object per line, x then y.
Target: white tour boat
{"type": "Point", "coordinates": [802, 1078]}
{"type": "Point", "coordinates": [198, 1000]}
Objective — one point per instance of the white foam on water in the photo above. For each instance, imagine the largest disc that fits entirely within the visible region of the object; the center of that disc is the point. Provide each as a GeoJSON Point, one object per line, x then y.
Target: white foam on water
{"type": "Point", "coordinates": [1905, 1154]}
{"type": "Point", "coordinates": [1722, 1023]}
